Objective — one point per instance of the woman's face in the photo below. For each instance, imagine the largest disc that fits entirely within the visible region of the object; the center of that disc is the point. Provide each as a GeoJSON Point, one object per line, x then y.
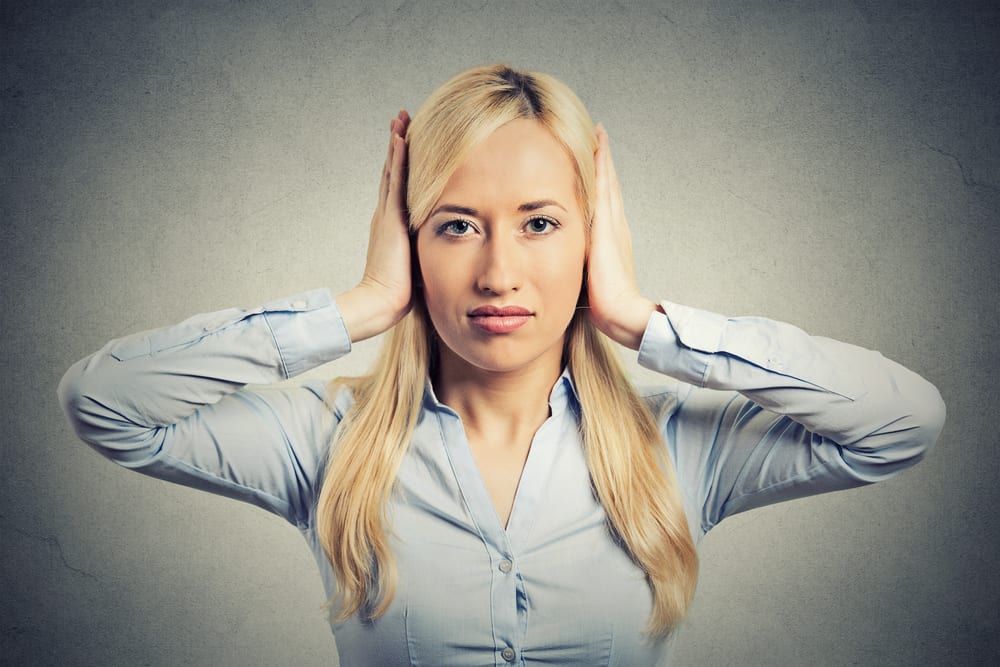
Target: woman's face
{"type": "Point", "coordinates": [503, 251]}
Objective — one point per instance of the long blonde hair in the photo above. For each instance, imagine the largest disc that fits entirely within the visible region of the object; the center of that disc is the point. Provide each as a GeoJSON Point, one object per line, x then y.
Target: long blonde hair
{"type": "Point", "coordinates": [630, 471]}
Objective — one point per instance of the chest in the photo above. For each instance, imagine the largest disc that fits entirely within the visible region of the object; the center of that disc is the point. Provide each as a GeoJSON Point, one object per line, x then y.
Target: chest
{"type": "Point", "coordinates": [500, 470]}
{"type": "Point", "coordinates": [552, 586]}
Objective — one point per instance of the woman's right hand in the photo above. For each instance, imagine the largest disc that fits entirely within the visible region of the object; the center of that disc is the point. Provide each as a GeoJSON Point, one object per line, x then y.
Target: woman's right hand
{"type": "Point", "coordinates": [384, 294]}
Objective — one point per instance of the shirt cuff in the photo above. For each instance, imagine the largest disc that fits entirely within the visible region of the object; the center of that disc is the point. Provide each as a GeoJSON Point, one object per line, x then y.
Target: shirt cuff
{"type": "Point", "coordinates": [681, 342]}
{"type": "Point", "coordinates": [308, 330]}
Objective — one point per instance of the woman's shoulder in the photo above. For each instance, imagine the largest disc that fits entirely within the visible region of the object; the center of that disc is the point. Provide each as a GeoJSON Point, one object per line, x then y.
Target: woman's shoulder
{"type": "Point", "coordinates": [336, 394]}
{"type": "Point", "coordinates": [314, 406]}
{"type": "Point", "coordinates": [663, 398]}
{"type": "Point", "coordinates": [332, 396]}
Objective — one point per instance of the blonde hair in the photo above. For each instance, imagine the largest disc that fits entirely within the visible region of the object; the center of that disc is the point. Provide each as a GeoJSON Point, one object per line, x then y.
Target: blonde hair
{"type": "Point", "coordinates": [630, 471]}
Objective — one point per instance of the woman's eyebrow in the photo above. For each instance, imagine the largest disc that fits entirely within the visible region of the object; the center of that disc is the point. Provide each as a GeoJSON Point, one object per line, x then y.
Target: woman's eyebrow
{"type": "Point", "coordinates": [541, 203]}
{"type": "Point", "coordinates": [527, 206]}
{"type": "Point", "coordinates": [452, 208]}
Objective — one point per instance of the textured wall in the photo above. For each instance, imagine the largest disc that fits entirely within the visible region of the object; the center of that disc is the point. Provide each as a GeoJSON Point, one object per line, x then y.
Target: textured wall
{"type": "Point", "coordinates": [835, 165]}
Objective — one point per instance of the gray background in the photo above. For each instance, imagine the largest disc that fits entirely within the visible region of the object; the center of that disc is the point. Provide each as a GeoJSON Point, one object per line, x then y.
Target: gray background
{"type": "Point", "coordinates": [834, 165]}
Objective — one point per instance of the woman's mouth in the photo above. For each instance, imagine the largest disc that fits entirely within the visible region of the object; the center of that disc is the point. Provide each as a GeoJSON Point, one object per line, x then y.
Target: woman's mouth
{"type": "Point", "coordinates": [500, 319]}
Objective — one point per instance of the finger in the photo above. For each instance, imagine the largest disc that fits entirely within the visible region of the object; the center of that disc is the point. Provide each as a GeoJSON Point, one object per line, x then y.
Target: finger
{"type": "Point", "coordinates": [600, 163]}
{"type": "Point", "coordinates": [613, 174]}
{"type": "Point", "coordinates": [599, 153]}
{"type": "Point", "coordinates": [383, 188]}
{"type": "Point", "coordinates": [397, 176]}
{"type": "Point", "coordinates": [402, 122]}
{"type": "Point", "coordinates": [617, 203]}
{"type": "Point", "coordinates": [614, 186]}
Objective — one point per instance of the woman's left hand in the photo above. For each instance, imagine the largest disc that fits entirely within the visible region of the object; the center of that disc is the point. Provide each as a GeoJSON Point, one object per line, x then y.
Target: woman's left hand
{"type": "Point", "coordinates": [616, 306]}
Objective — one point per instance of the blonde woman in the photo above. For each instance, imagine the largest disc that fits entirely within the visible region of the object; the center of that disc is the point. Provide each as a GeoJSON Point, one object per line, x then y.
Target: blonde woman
{"type": "Point", "coordinates": [495, 491]}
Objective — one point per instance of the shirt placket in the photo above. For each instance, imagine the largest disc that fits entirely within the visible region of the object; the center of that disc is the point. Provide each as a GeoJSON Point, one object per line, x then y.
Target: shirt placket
{"type": "Point", "coordinates": [508, 597]}
{"type": "Point", "coordinates": [504, 583]}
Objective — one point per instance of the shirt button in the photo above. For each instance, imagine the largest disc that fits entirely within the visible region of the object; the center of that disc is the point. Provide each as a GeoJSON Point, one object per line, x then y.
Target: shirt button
{"type": "Point", "coordinates": [505, 566]}
{"type": "Point", "coordinates": [298, 305]}
{"type": "Point", "coordinates": [508, 654]}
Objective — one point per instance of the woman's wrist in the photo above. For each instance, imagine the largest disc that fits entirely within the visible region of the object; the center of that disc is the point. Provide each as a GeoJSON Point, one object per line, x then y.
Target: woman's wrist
{"type": "Point", "coordinates": [627, 324]}
{"type": "Point", "coordinates": [367, 312]}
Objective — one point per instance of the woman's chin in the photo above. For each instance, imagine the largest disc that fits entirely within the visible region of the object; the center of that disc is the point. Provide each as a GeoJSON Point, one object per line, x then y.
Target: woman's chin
{"type": "Point", "coordinates": [496, 356]}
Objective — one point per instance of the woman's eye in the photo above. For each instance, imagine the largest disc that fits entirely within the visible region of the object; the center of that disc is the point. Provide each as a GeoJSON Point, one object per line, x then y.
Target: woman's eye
{"type": "Point", "coordinates": [541, 225]}
{"type": "Point", "coordinates": [455, 228]}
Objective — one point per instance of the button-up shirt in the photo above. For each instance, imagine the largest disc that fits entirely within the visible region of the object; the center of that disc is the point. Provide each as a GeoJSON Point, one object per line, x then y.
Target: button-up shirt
{"type": "Point", "coordinates": [757, 412]}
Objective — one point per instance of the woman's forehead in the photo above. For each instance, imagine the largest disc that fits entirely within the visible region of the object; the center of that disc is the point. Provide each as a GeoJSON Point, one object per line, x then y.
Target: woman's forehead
{"type": "Point", "coordinates": [520, 161]}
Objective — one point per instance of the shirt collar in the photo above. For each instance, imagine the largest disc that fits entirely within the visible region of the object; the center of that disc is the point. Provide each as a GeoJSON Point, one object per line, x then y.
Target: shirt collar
{"type": "Point", "coordinates": [563, 395]}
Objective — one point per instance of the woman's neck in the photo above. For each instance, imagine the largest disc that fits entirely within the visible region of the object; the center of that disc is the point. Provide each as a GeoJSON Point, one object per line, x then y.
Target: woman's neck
{"type": "Point", "coordinates": [500, 407]}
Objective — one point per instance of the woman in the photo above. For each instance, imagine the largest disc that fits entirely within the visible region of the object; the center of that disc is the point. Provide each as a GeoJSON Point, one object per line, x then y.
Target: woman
{"type": "Point", "coordinates": [495, 491]}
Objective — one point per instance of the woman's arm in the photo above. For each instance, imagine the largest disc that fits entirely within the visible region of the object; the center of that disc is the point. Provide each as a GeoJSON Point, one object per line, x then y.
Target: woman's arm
{"type": "Point", "coordinates": [171, 402]}
{"type": "Point", "coordinates": [770, 413]}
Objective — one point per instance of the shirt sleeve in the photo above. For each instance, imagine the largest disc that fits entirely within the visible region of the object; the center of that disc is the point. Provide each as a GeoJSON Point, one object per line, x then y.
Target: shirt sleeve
{"type": "Point", "coordinates": [174, 403]}
{"type": "Point", "coordinates": [767, 413]}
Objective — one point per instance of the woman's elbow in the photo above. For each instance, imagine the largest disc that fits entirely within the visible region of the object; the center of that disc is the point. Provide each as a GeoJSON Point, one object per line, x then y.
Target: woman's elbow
{"type": "Point", "coordinates": [929, 412]}
{"type": "Point", "coordinates": [89, 405]}
{"type": "Point", "coordinates": [910, 425]}
{"type": "Point", "coordinates": [72, 397]}
{"type": "Point", "coordinates": [911, 436]}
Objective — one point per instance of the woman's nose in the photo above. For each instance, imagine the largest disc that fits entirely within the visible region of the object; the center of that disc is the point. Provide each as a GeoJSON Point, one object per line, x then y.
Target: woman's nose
{"type": "Point", "coordinates": [500, 270]}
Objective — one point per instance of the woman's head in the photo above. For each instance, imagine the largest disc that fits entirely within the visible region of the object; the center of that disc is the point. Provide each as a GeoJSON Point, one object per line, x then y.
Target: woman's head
{"type": "Point", "coordinates": [501, 176]}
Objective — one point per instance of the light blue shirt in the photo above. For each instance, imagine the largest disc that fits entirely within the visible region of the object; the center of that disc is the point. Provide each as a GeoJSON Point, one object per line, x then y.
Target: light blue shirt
{"type": "Point", "coordinates": [761, 413]}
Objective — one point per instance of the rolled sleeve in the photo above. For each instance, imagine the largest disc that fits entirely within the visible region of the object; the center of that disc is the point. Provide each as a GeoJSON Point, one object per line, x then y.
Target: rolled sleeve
{"type": "Point", "coordinates": [680, 341]}
{"type": "Point", "coordinates": [308, 330]}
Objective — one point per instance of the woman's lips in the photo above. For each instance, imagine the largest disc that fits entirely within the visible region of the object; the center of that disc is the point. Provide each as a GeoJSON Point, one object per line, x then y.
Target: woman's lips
{"type": "Point", "coordinates": [500, 320]}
